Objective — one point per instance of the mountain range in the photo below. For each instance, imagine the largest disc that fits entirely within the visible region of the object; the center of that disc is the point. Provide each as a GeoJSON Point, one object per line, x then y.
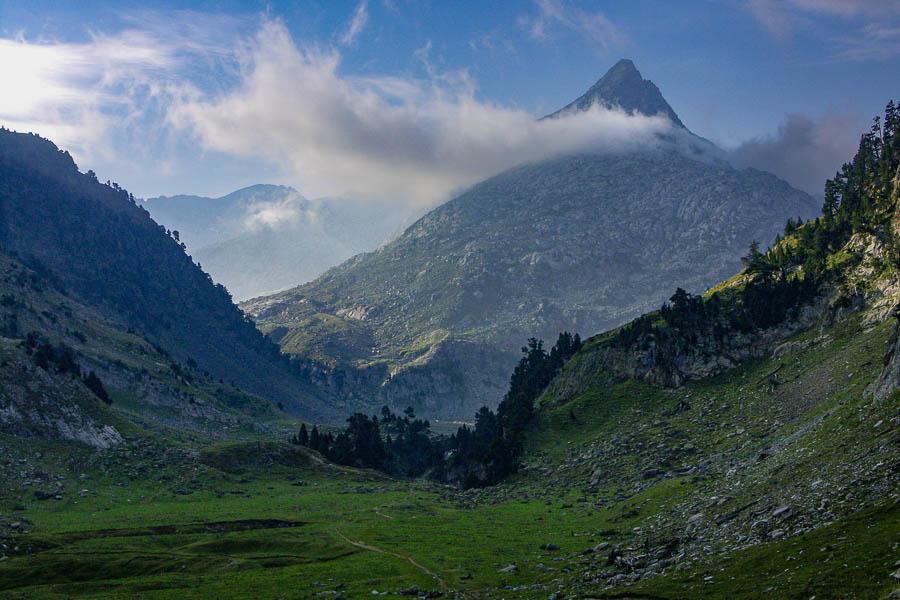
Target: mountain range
{"type": "Point", "coordinates": [736, 445]}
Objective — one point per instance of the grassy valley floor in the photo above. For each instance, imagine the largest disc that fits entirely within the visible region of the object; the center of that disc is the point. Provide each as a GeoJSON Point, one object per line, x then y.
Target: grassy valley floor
{"type": "Point", "coordinates": [732, 487]}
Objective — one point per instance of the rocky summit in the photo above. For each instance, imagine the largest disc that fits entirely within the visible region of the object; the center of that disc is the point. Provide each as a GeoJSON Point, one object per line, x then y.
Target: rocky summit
{"type": "Point", "coordinates": [623, 87]}
{"type": "Point", "coordinates": [579, 243]}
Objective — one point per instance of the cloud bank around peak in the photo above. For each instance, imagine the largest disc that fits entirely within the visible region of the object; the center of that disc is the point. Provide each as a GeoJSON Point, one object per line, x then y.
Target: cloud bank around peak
{"type": "Point", "coordinates": [805, 151]}
{"type": "Point", "coordinates": [412, 140]}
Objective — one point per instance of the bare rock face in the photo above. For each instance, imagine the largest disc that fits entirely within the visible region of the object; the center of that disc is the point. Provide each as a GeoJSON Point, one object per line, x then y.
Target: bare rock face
{"type": "Point", "coordinates": [455, 373]}
{"type": "Point", "coordinates": [889, 379]}
{"type": "Point", "coordinates": [34, 404]}
{"type": "Point", "coordinates": [673, 365]}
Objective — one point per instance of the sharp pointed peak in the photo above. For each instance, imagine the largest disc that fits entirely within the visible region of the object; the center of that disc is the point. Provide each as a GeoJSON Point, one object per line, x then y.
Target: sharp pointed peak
{"type": "Point", "coordinates": [624, 87]}
{"type": "Point", "coordinates": [624, 65]}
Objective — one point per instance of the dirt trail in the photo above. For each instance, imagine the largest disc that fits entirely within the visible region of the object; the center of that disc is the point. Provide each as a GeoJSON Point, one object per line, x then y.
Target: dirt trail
{"type": "Point", "coordinates": [378, 512]}
{"type": "Point", "coordinates": [409, 559]}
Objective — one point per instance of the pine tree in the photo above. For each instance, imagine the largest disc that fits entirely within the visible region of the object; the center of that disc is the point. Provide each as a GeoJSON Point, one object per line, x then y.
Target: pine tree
{"type": "Point", "coordinates": [303, 437]}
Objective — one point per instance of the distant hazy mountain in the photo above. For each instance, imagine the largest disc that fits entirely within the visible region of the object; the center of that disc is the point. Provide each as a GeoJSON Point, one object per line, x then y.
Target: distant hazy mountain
{"type": "Point", "coordinates": [579, 243]}
{"type": "Point", "coordinates": [266, 238]}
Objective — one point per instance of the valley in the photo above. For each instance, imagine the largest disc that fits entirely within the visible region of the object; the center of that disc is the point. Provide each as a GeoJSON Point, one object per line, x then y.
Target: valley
{"type": "Point", "coordinates": [493, 351]}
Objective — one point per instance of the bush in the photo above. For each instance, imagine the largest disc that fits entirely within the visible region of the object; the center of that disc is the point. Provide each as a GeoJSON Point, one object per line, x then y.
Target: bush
{"type": "Point", "coordinates": [94, 384]}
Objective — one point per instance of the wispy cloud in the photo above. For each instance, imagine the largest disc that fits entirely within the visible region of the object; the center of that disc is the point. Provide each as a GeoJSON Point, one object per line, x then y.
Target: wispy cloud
{"type": "Point", "coordinates": [411, 140]}
{"type": "Point", "coordinates": [357, 23]}
{"type": "Point", "coordinates": [850, 7]}
{"type": "Point", "coordinates": [73, 92]}
{"type": "Point", "coordinates": [554, 16]}
{"type": "Point", "coordinates": [875, 41]}
{"type": "Point", "coordinates": [82, 95]}
{"type": "Point", "coordinates": [772, 15]}
{"type": "Point", "coordinates": [869, 31]}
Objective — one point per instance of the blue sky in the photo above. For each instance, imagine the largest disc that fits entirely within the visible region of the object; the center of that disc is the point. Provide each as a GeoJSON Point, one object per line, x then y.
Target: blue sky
{"type": "Point", "coordinates": [414, 100]}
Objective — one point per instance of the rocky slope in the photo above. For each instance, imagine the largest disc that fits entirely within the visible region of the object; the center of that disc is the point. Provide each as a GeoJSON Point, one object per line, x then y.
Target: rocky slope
{"type": "Point", "coordinates": [727, 474]}
{"type": "Point", "coordinates": [580, 243]}
{"type": "Point", "coordinates": [50, 343]}
{"type": "Point", "coordinates": [796, 449]}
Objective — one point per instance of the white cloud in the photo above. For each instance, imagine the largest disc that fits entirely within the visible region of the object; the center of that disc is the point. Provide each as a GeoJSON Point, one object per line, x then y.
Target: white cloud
{"type": "Point", "coordinates": [772, 16]}
{"type": "Point", "coordinates": [413, 141]}
{"type": "Point", "coordinates": [74, 92]}
{"type": "Point", "coordinates": [103, 99]}
{"type": "Point", "coordinates": [850, 7]}
{"type": "Point", "coordinates": [594, 27]}
{"type": "Point", "coordinates": [144, 99]}
{"type": "Point", "coordinates": [357, 23]}
{"type": "Point", "coordinates": [260, 215]}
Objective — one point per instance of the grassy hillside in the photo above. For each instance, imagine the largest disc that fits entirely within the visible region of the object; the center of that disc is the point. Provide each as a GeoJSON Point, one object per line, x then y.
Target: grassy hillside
{"type": "Point", "coordinates": [731, 471]}
{"type": "Point", "coordinates": [50, 343]}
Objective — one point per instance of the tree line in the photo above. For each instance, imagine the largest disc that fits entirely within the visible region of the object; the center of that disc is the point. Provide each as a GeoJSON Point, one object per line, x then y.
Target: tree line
{"type": "Point", "coordinates": [61, 358]}
{"type": "Point", "coordinates": [474, 457]}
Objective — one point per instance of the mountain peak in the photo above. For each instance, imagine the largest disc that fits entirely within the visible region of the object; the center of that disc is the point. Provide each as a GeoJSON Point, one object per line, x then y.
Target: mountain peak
{"type": "Point", "coordinates": [625, 66]}
{"type": "Point", "coordinates": [624, 87]}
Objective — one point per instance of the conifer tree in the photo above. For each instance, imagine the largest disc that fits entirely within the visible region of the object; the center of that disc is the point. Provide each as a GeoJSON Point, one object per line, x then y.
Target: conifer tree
{"type": "Point", "coordinates": [303, 437]}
